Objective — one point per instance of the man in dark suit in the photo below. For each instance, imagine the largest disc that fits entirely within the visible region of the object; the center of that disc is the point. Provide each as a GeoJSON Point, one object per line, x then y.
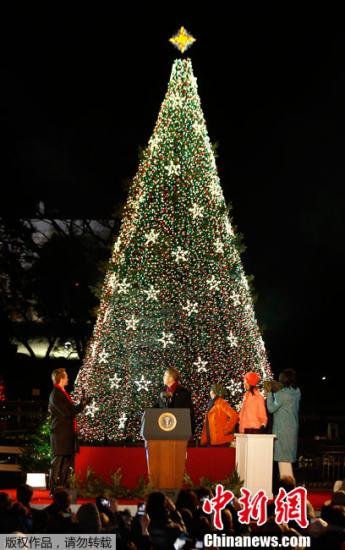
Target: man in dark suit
{"type": "Point", "coordinates": [175, 395]}
{"type": "Point", "coordinates": [63, 436]}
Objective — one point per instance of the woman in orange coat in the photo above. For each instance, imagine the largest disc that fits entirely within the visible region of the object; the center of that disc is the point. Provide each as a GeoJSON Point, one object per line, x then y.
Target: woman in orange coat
{"type": "Point", "coordinates": [220, 419]}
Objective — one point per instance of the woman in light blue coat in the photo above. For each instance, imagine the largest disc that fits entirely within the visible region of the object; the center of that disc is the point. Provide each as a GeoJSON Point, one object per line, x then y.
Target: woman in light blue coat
{"type": "Point", "coordinates": [285, 406]}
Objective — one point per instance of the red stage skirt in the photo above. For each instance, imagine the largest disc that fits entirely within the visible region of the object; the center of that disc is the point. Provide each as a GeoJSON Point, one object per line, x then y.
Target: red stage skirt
{"type": "Point", "coordinates": [212, 463]}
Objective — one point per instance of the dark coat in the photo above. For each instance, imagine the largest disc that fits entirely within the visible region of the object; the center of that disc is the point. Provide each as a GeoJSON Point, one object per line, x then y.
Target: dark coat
{"type": "Point", "coordinates": [63, 437]}
{"type": "Point", "coordinates": [181, 399]}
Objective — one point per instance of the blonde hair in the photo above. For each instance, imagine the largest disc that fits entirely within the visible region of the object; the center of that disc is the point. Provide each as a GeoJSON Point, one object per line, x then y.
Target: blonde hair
{"type": "Point", "coordinates": [57, 374]}
{"type": "Point", "coordinates": [175, 373]}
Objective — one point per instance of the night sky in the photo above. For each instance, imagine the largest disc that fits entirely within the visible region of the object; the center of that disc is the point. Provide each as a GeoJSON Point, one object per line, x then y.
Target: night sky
{"type": "Point", "coordinates": [81, 92]}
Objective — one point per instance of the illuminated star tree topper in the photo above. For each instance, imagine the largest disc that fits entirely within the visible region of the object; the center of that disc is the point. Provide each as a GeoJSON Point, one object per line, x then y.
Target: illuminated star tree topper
{"type": "Point", "coordinates": [182, 40]}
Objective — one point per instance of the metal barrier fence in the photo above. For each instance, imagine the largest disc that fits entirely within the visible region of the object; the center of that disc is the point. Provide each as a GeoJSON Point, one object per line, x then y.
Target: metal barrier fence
{"type": "Point", "coordinates": [333, 466]}
{"type": "Point", "coordinates": [321, 468]}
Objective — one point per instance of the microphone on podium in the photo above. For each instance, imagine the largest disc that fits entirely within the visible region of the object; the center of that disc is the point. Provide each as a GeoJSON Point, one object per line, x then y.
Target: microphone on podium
{"type": "Point", "coordinates": [165, 397]}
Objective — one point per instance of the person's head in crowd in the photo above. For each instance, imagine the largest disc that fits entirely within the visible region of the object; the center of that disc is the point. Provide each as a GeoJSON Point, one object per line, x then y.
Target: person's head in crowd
{"type": "Point", "coordinates": [126, 516]}
{"type": "Point", "coordinates": [155, 505]}
{"type": "Point", "coordinates": [251, 380]}
{"type": "Point", "coordinates": [60, 376]}
{"type": "Point", "coordinates": [288, 483]}
{"type": "Point", "coordinates": [338, 498]}
{"type": "Point", "coordinates": [20, 518]}
{"type": "Point", "coordinates": [217, 390]}
{"type": "Point", "coordinates": [333, 514]}
{"type": "Point", "coordinates": [5, 502]}
{"type": "Point", "coordinates": [171, 375]}
{"type": "Point", "coordinates": [88, 518]}
{"type": "Point", "coordinates": [317, 527]}
{"type": "Point", "coordinates": [24, 494]}
{"type": "Point", "coordinates": [187, 498]}
{"type": "Point", "coordinates": [288, 378]}
{"type": "Point", "coordinates": [61, 499]}
{"type": "Point", "coordinates": [336, 516]}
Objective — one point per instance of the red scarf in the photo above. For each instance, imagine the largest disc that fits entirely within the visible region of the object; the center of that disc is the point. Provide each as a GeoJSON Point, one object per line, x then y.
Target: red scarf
{"type": "Point", "coordinates": [67, 395]}
{"type": "Point", "coordinates": [172, 388]}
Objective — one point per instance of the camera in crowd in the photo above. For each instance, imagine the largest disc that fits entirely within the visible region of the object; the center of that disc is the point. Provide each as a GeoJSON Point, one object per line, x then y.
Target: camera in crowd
{"type": "Point", "coordinates": [141, 509]}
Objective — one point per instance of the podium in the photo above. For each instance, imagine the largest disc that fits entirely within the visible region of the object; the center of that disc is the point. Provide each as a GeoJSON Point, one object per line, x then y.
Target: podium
{"type": "Point", "coordinates": [254, 461]}
{"type": "Point", "coordinates": [166, 432]}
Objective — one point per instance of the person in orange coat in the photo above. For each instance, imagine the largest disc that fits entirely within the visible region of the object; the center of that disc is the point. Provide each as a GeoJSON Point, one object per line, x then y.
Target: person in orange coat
{"type": "Point", "coordinates": [253, 415]}
{"type": "Point", "coordinates": [220, 419]}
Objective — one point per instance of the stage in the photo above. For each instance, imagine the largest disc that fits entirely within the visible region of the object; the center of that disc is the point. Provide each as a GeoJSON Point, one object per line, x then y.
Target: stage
{"type": "Point", "coordinates": [212, 463]}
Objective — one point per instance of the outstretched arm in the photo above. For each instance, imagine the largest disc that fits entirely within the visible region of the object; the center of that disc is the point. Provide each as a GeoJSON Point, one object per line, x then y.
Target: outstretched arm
{"type": "Point", "coordinates": [63, 406]}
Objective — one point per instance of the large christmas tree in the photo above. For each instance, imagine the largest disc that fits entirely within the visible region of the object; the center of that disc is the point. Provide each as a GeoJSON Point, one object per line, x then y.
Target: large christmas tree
{"type": "Point", "coordinates": [175, 293]}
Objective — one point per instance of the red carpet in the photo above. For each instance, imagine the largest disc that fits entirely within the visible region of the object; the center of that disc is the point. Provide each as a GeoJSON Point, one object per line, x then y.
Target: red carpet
{"type": "Point", "coordinates": [318, 498]}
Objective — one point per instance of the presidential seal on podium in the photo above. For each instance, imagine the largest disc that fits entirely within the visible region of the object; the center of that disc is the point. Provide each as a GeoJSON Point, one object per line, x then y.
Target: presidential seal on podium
{"type": "Point", "coordinates": [167, 421]}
